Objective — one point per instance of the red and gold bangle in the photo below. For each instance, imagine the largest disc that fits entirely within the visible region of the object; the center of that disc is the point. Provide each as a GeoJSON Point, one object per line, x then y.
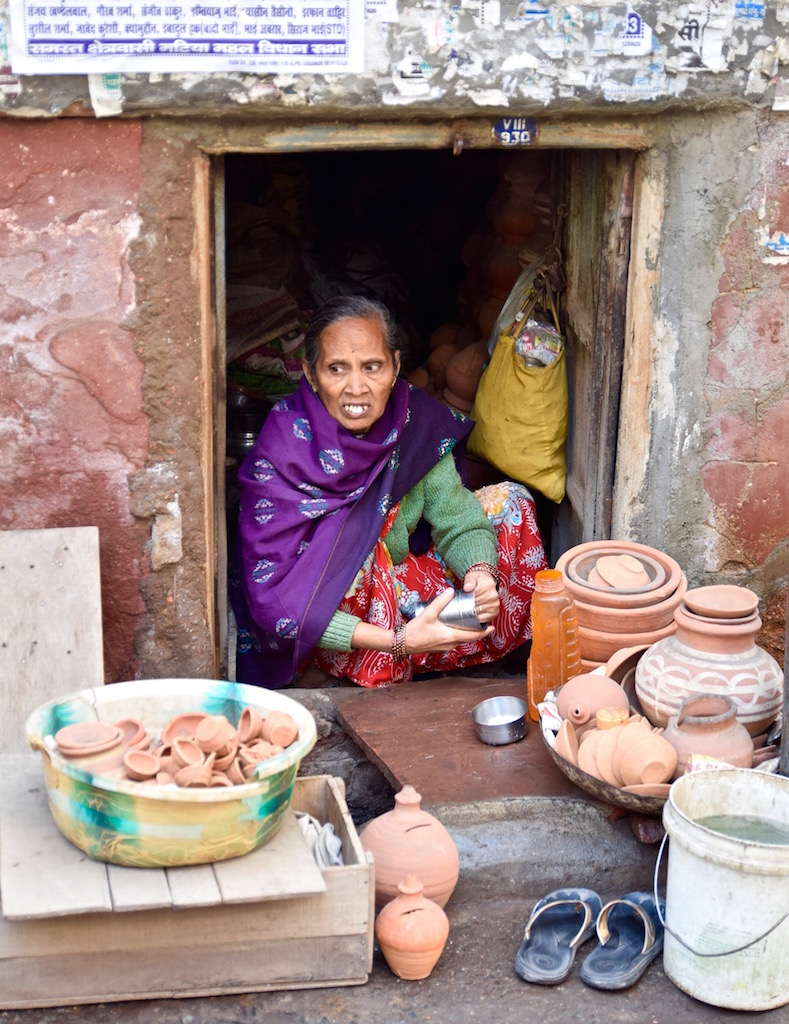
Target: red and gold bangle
{"type": "Point", "coordinates": [398, 642]}
{"type": "Point", "coordinates": [491, 570]}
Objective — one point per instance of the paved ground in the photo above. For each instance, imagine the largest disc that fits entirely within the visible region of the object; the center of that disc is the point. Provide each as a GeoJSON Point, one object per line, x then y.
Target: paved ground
{"type": "Point", "coordinates": [473, 982]}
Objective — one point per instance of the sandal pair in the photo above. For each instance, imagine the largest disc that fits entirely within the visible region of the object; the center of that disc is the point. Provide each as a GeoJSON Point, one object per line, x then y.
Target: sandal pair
{"type": "Point", "coordinates": [629, 930]}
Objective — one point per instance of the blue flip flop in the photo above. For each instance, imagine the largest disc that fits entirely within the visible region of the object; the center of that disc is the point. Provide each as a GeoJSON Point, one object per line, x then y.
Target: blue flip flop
{"type": "Point", "coordinates": [559, 923]}
{"type": "Point", "coordinates": [630, 931]}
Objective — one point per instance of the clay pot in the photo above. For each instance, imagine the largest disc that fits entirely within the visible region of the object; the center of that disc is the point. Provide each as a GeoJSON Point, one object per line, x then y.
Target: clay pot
{"type": "Point", "coordinates": [409, 840]}
{"type": "Point", "coordinates": [134, 734]}
{"type": "Point", "coordinates": [445, 334]}
{"type": "Point", "coordinates": [279, 728]}
{"type": "Point", "coordinates": [456, 402]}
{"type": "Point", "coordinates": [705, 658]}
{"type": "Point", "coordinates": [411, 931]}
{"type": "Point", "coordinates": [601, 644]}
{"type": "Point", "coordinates": [250, 724]}
{"type": "Point", "coordinates": [439, 357]}
{"type": "Point", "coordinates": [566, 742]}
{"type": "Point", "coordinates": [186, 752]}
{"type": "Point", "coordinates": [707, 724]}
{"type": "Point", "coordinates": [503, 268]}
{"type": "Point", "coordinates": [488, 315]}
{"type": "Point", "coordinates": [140, 764]}
{"type": "Point", "coordinates": [182, 725]}
{"type": "Point", "coordinates": [464, 371]}
{"type": "Point", "coordinates": [577, 563]}
{"type": "Point", "coordinates": [584, 695]}
{"type": "Point", "coordinates": [213, 733]}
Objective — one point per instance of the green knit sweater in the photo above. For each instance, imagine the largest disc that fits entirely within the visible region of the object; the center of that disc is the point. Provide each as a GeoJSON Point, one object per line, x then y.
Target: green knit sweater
{"type": "Point", "coordinates": [459, 528]}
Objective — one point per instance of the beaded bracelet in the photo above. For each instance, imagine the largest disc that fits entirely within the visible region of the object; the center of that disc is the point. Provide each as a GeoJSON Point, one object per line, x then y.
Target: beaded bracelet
{"type": "Point", "coordinates": [398, 642]}
{"type": "Point", "coordinates": [491, 570]}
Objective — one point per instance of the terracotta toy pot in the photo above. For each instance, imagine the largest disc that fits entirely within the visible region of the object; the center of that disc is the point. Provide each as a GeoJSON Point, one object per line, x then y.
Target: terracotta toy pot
{"type": "Point", "coordinates": [411, 931]}
{"type": "Point", "coordinates": [581, 697]}
{"type": "Point", "coordinates": [408, 840]}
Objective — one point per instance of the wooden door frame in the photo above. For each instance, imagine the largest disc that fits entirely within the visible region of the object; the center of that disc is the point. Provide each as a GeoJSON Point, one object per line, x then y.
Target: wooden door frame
{"type": "Point", "coordinates": [620, 478]}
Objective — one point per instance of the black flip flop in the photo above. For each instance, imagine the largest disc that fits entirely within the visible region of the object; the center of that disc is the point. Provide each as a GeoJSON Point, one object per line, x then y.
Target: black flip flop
{"type": "Point", "coordinates": [630, 931]}
{"type": "Point", "coordinates": [559, 923]}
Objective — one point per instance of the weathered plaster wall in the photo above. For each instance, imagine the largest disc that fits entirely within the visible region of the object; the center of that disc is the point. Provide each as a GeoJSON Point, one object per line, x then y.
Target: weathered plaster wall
{"type": "Point", "coordinates": [71, 418]}
{"type": "Point", "coordinates": [103, 376]}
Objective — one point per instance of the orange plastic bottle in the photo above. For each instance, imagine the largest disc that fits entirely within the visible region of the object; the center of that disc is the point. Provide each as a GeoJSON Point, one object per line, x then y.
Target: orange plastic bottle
{"type": "Point", "coordinates": [555, 649]}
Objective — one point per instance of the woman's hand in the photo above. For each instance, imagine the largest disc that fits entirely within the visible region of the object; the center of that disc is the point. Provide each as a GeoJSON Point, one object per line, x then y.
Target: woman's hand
{"type": "Point", "coordinates": [486, 597]}
{"type": "Point", "coordinates": [427, 633]}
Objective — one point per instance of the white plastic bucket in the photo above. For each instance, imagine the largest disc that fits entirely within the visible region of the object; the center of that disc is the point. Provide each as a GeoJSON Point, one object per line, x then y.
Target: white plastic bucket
{"type": "Point", "coordinates": [727, 900]}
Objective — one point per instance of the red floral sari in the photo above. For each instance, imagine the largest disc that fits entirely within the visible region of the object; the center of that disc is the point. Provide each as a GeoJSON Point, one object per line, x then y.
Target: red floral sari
{"type": "Point", "coordinates": [383, 593]}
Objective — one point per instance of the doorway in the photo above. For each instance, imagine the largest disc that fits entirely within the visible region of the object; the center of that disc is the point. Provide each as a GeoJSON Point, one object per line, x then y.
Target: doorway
{"type": "Point", "coordinates": [407, 226]}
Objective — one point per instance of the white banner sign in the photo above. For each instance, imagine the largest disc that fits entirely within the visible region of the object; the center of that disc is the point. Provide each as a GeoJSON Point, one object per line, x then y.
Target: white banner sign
{"type": "Point", "coordinates": [75, 37]}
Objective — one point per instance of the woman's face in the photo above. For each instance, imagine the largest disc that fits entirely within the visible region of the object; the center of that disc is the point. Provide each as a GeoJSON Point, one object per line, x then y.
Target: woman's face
{"type": "Point", "coordinates": [354, 373]}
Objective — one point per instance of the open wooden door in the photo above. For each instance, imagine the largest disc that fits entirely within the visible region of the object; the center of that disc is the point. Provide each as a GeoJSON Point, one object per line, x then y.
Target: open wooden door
{"type": "Point", "coordinates": [598, 190]}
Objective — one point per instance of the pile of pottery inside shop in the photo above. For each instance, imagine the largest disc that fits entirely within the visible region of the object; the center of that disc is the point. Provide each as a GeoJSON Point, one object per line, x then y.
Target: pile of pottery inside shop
{"type": "Point", "coordinates": [672, 679]}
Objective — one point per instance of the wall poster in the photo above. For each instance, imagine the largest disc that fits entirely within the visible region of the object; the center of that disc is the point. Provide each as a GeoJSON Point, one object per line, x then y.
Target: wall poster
{"type": "Point", "coordinates": [103, 36]}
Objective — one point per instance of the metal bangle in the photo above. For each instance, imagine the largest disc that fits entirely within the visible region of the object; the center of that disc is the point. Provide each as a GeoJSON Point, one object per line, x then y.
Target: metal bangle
{"type": "Point", "coordinates": [398, 642]}
{"type": "Point", "coordinates": [491, 570]}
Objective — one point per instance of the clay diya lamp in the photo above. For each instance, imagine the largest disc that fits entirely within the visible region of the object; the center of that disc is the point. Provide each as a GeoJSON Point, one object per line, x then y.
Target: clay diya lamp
{"type": "Point", "coordinates": [167, 762]}
{"type": "Point", "coordinates": [193, 776]}
{"type": "Point", "coordinates": [250, 724]}
{"type": "Point", "coordinates": [227, 754]}
{"type": "Point", "coordinates": [185, 752]}
{"type": "Point", "coordinates": [141, 764]}
{"type": "Point", "coordinates": [182, 725]}
{"type": "Point", "coordinates": [134, 734]}
{"type": "Point", "coordinates": [83, 739]}
{"type": "Point", "coordinates": [566, 743]}
{"type": "Point", "coordinates": [235, 772]}
{"type": "Point", "coordinates": [213, 733]}
{"type": "Point", "coordinates": [280, 728]}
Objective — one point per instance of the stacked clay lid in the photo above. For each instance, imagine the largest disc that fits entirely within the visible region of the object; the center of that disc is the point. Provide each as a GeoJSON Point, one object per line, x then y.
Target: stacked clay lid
{"type": "Point", "coordinates": [625, 595]}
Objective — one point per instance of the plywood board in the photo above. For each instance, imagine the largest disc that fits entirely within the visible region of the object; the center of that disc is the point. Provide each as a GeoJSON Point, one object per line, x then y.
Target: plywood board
{"type": "Point", "coordinates": [43, 875]}
{"type": "Point", "coordinates": [421, 734]}
{"type": "Point", "coordinates": [50, 627]}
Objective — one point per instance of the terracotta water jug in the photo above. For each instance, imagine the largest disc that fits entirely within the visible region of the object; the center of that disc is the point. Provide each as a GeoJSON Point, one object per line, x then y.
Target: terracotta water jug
{"type": "Point", "coordinates": [411, 931]}
{"type": "Point", "coordinates": [408, 840]}
{"type": "Point", "coordinates": [711, 654]}
{"type": "Point", "coordinates": [707, 724]}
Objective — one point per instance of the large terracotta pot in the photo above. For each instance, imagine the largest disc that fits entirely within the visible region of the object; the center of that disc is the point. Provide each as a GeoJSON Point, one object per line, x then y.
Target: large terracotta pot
{"type": "Point", "coordinates": [711, 657]}
{"type": "Point", "coordinates": [707, 724]}
{"type": "Point", "coordinates": [411, 931]}
{"type": "Point", "coordinates": [408, 840]}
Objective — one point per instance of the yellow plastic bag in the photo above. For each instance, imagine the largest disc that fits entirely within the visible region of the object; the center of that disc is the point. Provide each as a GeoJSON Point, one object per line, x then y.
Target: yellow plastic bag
{"type": "Point", "coordinates": [521, 415]}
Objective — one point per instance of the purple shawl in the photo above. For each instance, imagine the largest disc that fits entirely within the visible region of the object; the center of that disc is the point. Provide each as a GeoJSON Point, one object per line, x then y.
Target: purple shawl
{"type": "Point", "coordinates": [314, 499]}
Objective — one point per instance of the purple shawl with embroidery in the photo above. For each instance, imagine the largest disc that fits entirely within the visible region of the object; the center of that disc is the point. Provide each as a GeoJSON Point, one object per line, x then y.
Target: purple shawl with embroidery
{"type": "Point", "coordinates": [314, 499]}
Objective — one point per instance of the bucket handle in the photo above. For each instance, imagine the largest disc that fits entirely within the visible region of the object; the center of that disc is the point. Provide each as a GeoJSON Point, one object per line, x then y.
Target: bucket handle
{"type": "Point", "coordinates": [690, 949]}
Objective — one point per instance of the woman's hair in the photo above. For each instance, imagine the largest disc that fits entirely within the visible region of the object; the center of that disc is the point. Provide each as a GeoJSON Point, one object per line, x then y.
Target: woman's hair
{"type": "Point", "coordinates": [341, 308]}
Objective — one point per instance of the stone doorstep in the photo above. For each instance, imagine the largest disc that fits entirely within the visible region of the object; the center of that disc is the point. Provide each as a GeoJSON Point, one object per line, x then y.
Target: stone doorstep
{"type": "Point", "coordinates": [530, 830]}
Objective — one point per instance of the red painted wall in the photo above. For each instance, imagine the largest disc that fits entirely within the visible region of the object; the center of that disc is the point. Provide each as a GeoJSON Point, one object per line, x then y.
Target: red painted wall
{"type": "Point", "coordinates": [71, 417]}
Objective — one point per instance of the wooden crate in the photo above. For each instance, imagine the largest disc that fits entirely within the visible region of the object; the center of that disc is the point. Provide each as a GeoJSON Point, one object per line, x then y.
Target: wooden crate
{"type": "Point", "coordinates": [252, 924]}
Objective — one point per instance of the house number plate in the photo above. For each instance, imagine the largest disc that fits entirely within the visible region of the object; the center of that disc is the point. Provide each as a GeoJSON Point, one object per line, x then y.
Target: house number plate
{"type": "Point", "coordinates": [515, 131]}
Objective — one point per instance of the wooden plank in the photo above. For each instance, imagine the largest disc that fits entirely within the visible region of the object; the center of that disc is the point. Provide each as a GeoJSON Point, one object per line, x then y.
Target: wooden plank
{"type": "Point", "coordinates": [50, 629]}
{"type": "Point", "coordinates": [442, 757]}
{"type": "Point", "coordinates": [41, 872]}
{"type": "Point", "coordinates": [193, 886]}
{"type": "Point", "coordinates": [138, 888]}
{"type": "Point", "coordinates": [282, 868]}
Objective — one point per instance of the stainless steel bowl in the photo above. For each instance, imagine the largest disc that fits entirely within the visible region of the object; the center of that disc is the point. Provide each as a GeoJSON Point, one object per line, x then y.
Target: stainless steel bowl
{"type": "Point", "coordinates": [500, 720]}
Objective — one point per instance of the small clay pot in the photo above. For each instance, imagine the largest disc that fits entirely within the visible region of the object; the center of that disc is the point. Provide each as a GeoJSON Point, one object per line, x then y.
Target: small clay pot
{"type": "Point", "coordinates": [140, 764]}
{"type": "Point", "coordinates": [584, 695]}
{"type": "Point", "coordinates": [182, 725]}
{"type": "Point", "coordinates": [280, 728]}
{"type": "Point", "coordinates": [249, 725]}
{"type": "Point", "coordinates": [213, 733]}
{"type": "Point", "coordinates": [707, 724]}
{"type": "Point", "coordinates": [193, 776]}
{"type": "Point", "coordinates": [411, 931]}
{"type": "Point", "coordinates": [186, 752]}
{"type": "Point", "coordinates": [134, 734]}
{"type": "Point", "coordinates": [651, 760]}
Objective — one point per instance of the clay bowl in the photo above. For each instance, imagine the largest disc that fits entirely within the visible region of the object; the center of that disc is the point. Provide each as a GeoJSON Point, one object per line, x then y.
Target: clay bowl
{"type": "Point", "coordinates": [722, 601]}
{"type": "Point", "coordinates": [500, 720]}
{"type": "Point", "coordinates": [642, 619]}
{"type": "Point", "coordinates": [139, 825]}
{"type": "Point", "coordinates": [588, 553]}
{"type": "Point", "coordinates": [600, 646]}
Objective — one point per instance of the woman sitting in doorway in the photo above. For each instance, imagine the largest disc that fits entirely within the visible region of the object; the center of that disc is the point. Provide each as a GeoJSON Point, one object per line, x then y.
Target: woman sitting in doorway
{"type": "Point", "coordinates": [353, 513]}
